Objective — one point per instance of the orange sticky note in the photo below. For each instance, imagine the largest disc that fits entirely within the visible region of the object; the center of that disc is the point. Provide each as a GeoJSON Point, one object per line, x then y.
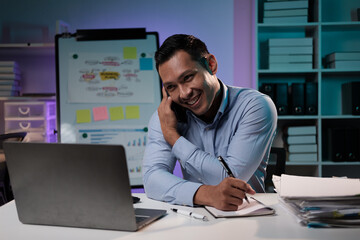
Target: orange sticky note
{"type": "Point", "coordinates": [116, 113]}
{"type": "Point", "coordinates": [132, 112]}
{"type": "Point", "coordinates": [83, 116]}
{"type": "Point", "coordinates": [100, 113]}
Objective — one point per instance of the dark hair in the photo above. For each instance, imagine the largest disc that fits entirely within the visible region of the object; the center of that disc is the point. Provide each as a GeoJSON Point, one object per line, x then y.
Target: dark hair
{"type": "Point", "coordinates": [190, 44]}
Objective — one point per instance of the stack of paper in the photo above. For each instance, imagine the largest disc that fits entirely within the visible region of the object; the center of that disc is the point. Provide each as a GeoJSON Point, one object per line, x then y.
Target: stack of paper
{"type": "Point", "coordinates": [9, 79]}
{"type": "Point", "coordinates": [286, 11]}
{"type": "Point", "coordinates": [301, 143]}
{"type": "Point", "coordinates": [290, 53]}
{"type": "Point", "coordinates": [321, 202]}
{"type": "Point", "coordinates": [343, 60]}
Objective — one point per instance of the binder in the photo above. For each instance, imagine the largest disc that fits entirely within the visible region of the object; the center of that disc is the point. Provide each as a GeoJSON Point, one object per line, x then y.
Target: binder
{"type": "Point", "coordinates": [352, 145]}
{"type": "Point", "coordinates": [282, 99]}
{"type": "Point", "coordinates": [336, 144]}
{"type": "Point", "coordinates": [350, 98]}
{"type": "Point", "coordinates": [268, 89]}
{"type": "Point", "coordinates": [311, 96]}
{"type": "Point", "coordinates": [297, 99]}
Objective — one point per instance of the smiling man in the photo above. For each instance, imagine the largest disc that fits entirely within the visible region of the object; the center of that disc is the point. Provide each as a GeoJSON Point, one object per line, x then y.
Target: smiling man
{"type": "Point", "coordinates": [217, 120]}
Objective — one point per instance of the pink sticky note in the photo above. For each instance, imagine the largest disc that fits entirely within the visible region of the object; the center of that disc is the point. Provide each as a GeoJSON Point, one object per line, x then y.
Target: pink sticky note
{"type": "Point", "coordinates": [100, 113]}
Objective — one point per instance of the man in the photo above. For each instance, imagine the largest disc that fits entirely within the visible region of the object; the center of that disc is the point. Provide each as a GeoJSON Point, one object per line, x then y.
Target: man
{"type": "Point", "coordinates": [235, 123]}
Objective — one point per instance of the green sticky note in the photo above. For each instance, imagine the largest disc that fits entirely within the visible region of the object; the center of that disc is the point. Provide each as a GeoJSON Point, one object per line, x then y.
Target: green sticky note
{"type": "Point", "coordinates": [116, 113]}
{"type": "Point", "coordinates": [130, 53]}
{"type": "Point", "coordinates": [132, 112]}
{"type": "Point", "coordinates": [83, 116]}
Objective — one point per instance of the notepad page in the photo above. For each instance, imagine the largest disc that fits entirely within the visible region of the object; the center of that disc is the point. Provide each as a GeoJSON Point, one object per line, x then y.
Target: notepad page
{"type": "Point", "coordinates": [253, 208]}
{"type": "Point", "coordinates": [299, 186]}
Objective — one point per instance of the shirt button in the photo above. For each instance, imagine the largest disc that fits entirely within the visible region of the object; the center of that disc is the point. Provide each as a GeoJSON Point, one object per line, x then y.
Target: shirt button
{"type": "Point", "coordinates": [199, 179]}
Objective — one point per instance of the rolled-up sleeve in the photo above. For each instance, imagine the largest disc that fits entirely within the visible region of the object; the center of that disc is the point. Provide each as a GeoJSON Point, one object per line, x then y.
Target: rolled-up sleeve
{"type": "Point", "coordinates": [158, 166]}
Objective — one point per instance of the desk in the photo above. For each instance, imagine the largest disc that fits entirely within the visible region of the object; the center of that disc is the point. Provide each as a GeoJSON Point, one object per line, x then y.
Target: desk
{"type": "Point", "coordinates": [175, 226]}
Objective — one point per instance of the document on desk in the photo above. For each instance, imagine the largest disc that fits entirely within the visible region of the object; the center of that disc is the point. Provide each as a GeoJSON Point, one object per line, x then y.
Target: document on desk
{"type": "Point", "coordinates": [315, 187]}
{"type": "Point", "coordinates": [253, 208]}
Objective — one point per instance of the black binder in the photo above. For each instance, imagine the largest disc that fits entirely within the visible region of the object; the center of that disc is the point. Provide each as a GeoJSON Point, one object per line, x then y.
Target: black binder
{"type": "Point", "coordinates": [268, 89]}
{"type": "Point", "coordinates": [343, 144]}
{"type": "Point", "coordinates": [336, 144]}
{"type": "Point", "coordinates": [311, 98]}
{"type": "Point", "coordinates": [350, 98]}
{"type": "Point", "coordinates": [282, 98]}
{"type": "Point", "coordinates": [297, 99]}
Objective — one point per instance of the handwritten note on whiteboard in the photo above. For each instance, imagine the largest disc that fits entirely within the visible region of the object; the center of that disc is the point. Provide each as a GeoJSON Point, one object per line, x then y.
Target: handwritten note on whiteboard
{"type": "Point", "coordinates": [110, 78]}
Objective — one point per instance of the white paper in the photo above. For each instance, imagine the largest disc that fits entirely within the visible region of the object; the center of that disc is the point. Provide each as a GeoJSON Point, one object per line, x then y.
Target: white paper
{"type": "Point", "coordinates": [299, 186]}
{"type": "Point", "coordinates": [253, 208]}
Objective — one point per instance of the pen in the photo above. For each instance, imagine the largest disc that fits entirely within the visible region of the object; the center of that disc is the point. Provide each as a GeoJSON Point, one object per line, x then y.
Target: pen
{"type": "Point", "coordinates": [230, 174]}
{"type": "Point", "coordinates": [190, 214]}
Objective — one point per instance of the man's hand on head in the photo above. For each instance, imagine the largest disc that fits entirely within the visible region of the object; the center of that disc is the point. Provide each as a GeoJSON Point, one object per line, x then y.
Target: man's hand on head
{"type": "Point", "coordinates": [168, 119]}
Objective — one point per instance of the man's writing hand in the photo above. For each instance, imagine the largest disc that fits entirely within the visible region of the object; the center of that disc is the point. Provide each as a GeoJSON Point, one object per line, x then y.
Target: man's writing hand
{"type": "Point", "coordinates": [227, 195]}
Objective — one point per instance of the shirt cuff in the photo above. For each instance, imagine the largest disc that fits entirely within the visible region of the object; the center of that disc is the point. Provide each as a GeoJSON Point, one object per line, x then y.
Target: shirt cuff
{"type": "Point", "coordinates": [186, 192]}
{"type": "Point", "coordinates": [183, 149]}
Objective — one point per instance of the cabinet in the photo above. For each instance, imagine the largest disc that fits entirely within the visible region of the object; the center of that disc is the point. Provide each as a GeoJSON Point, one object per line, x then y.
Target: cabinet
{"type": "Point", "coordinates": [37, 66]}
{"type": "Point", "coordinates": [331, 27]}
{"type": "Point", "coordinates": [38, 119]}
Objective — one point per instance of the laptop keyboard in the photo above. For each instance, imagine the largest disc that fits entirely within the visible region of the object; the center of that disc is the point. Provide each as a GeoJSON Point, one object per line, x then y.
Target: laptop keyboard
{"type": "Point", "coordinates": [140, 218]}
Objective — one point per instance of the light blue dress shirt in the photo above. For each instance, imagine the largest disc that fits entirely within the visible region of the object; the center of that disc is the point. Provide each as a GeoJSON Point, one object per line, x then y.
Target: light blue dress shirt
{"type": "Point", "coordinates": [242, 133]}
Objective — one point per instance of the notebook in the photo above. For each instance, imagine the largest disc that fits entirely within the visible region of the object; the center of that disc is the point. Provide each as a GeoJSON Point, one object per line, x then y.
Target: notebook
{"type": "Point", "coordinates": [74, 185]}
{"type": "Point", "coordinates": [253, 208]}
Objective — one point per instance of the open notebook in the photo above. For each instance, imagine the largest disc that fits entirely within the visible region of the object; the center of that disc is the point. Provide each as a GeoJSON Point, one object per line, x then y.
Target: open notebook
{"type": "Point", "coordinates": [253, 208]}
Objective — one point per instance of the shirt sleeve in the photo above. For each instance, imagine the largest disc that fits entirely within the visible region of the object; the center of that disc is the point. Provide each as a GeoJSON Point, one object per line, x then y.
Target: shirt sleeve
{"type": "Point", "coordinates": [254, 127]}
{"type": "Point", "coordinates": [158, 166]}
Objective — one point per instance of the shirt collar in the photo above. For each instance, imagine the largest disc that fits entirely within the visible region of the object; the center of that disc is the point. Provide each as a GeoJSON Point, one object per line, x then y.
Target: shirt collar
{"type": "Point", "coordinates": [225, 97]}
{"type": "Point", "coordinates": [223, 105]}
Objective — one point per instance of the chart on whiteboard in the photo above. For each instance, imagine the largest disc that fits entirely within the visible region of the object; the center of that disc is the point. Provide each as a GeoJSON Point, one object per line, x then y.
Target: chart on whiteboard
{"type": "Point", "coordinates": [110, 78]}
{"type": "Point", "coordinates": [133, 139]}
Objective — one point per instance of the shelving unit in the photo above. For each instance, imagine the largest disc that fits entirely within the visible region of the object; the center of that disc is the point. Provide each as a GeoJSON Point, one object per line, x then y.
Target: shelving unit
{"type": "Point", "coordinates": [37, 65]}
{"type": "Point", "coordinates": [330, 26]}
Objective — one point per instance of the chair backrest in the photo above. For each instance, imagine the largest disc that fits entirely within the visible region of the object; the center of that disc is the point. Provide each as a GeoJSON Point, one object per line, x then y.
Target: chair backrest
{"type": "Point", "coordinates": [277, 156]}
{"type": "Point", "coordinates": [18, 136]}
{"type": "Point", "coordinates": [6, 194]}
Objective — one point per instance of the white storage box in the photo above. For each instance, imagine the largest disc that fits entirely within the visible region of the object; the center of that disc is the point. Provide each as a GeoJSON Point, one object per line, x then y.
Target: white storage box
{"type": "Point", "coordinates": [29, 109]}
{"type": "Point", "coordinates": [30, 125]}
{"type": "Point", "coordinates": [38, 119]}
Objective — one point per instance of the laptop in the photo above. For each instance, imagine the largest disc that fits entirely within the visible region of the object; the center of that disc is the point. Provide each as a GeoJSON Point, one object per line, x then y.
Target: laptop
{"type": "Point", "coordinates": [74, 185]}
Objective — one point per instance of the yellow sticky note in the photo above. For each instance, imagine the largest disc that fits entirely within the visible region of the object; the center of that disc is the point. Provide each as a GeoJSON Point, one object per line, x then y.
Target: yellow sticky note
{"type": "Point", "coordinates": [130, 53]}
{"type": "Point", "coordinates": [132, 112]}
{"type": "Point", "coordinates": [83, 116]}
{"type": "Point", "coordinates": [109, 75]}
{"type": "Point", "coordinates": [116, 113]}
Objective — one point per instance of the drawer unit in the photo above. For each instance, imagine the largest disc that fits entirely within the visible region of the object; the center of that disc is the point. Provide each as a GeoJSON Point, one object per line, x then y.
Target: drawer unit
{"type": "Point", "coordinates": [38, 119]}
{"type": "Point", "coordinates": [29, 109]}
{"type": "Point", "coordinates": [30, 125]}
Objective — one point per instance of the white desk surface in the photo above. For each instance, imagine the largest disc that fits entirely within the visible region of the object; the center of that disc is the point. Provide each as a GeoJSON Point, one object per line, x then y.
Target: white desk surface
{"type": "Point", "coordinates": [175, 226]}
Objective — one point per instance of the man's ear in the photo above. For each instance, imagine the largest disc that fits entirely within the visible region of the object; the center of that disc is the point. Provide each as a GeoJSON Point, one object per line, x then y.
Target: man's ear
{"type": "Point", "coordinates": [211, 59]}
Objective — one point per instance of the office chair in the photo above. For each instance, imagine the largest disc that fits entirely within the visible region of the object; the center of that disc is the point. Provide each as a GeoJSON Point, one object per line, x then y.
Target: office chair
{"type": "Point", "coordinates": [6, 194]}
{"type": "Point", "coordinates": [277, 155]}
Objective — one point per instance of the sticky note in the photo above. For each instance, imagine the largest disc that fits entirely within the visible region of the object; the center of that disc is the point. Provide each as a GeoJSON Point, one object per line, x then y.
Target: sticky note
{"type": "Point", "coordinates": [116, 113]}
{"type": "Point", "coordinates": [109, 75]}
{"type": "Point", "coordinates": [146, 64]}
{"type": "Point", "coordinates": [100, 113]}
{"type": "Point", "coordinates": [132, 112]}
{"type": "Point", "coordinates": [130, 53]}
{"type": "Point", "coordinates": [83, 116]}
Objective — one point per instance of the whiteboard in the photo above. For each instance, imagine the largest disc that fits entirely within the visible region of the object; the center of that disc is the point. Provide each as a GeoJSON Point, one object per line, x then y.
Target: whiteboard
{"type": "Point", "coordinates": [107, 90]}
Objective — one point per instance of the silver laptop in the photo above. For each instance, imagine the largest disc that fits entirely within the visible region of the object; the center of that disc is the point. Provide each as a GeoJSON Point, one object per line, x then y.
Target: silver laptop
{"type": "Point", "coordinates": [74, 185]}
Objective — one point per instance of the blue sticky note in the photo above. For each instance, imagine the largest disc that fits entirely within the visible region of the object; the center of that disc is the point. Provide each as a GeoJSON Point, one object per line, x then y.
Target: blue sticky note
{"type": "Point", "coordinates": [146, 64]}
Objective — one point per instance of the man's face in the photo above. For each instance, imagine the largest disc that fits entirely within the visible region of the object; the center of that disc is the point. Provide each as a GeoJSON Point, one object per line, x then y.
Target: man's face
{"type": "Point", "coordinates": [188, 83]}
